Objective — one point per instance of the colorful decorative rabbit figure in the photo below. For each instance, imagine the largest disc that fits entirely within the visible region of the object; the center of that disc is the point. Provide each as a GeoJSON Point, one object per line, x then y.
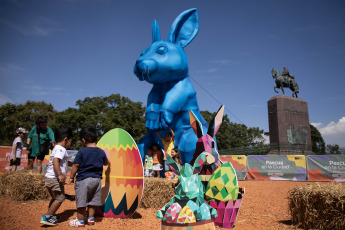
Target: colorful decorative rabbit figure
{"type": "Point", "coordinates": [220, 181]}
{"type": "Point", "coordinates": [188, 205]}
{"type": "Point", "coordinates": [165, 65]}
{"type": "Point", "coordinates": [206, 143]}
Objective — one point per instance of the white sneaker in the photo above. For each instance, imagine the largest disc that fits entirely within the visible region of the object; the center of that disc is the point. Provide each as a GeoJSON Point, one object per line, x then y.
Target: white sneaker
{"type": "Point", "coordinates": [77, 223]}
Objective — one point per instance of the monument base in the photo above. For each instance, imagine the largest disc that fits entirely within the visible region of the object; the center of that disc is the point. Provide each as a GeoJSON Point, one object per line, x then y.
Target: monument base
{"type": "Point", "coordinates": [289, 127]}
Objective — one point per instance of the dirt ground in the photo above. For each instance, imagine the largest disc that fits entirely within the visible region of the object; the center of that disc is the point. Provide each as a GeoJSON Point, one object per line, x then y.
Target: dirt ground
{"type": "Point", "coordinates": [264, 206]}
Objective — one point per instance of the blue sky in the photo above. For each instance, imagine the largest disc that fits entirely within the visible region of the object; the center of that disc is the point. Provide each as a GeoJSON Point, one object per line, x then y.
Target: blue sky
{"type": "Point", "coordinates": [62, 51]}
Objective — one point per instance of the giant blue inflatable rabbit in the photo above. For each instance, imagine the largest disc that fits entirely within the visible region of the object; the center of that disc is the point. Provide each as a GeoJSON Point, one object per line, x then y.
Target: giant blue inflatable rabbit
{"type": "Point", "coordinates": [164, 64]}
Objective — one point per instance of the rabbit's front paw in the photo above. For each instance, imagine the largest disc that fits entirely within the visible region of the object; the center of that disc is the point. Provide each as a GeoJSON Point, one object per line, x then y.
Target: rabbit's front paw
{"type": "Point", "coordinates": [153, 125]}
{"type": "Point", "coordinates": [153, 117]}
{"type": "Point", "coordinates": [166, 119]}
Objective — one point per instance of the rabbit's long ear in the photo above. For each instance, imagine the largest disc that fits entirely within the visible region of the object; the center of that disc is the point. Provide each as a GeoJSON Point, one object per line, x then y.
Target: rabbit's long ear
{"type": "Point", "coordinates": [216, 122]}
{"type": "Point", "coordinates": [184, 28]}
{"type": "Point", "coordinates": [196, 124]}
{"type": "Point", "coordinates": [156, 33]}
{"type": "Point", "coordinates": [173, 165]}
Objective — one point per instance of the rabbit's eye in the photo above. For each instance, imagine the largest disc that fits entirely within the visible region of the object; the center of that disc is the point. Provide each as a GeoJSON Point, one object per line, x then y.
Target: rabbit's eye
{"type": "Point", "coordinates": [162, 50]}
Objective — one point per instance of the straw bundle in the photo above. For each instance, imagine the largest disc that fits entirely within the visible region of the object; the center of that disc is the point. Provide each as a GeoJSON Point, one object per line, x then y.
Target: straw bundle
{"type": "Point", "coordinates": [24, 185]}
{"type": "Point", "coordinates": [318, 206]}
{"type": "Point", "coordinates": [157, 192]}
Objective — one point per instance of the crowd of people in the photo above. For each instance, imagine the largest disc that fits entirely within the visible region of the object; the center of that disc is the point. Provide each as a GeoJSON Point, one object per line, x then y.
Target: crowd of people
{"type": "Point", "coordinates": [87, 166]}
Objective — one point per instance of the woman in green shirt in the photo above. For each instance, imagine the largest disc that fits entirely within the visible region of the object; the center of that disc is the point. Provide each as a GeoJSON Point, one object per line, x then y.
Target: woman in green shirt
{"type": "Point", "coordinates": [39, 140]}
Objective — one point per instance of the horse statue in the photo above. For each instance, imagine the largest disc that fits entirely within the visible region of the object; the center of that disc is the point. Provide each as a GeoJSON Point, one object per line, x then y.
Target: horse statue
{"type": "Point", "coordinates": [285, 82]}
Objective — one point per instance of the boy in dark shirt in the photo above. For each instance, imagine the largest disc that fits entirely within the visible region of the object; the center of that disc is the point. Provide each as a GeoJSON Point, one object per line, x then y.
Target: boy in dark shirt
{"type": "Point", "coordinates": [88, 164]}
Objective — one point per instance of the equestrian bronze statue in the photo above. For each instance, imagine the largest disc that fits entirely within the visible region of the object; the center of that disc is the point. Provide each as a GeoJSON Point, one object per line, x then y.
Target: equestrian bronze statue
{"type": "Point", "coordinates": [285, 81]}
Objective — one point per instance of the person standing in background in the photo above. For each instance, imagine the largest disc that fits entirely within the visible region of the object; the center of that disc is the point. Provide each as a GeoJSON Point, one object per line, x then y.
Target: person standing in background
{"type": "Point", "coordinates": [17, 148]}
{"type": "Point", "coordinates": [169, 144]}
{"type": "Point", "coordinates": [39, 140]}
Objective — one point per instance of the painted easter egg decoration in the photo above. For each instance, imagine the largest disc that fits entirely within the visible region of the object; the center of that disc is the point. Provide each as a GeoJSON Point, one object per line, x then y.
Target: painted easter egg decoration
{"type": "Point", "coordinates": [123, 180]}
{"type": "Point", "coordinates": [186, 216]}
{"type": "Point", "coordinates": [223, 184]}
{"type": "Point", "coordinates": [172, 213]}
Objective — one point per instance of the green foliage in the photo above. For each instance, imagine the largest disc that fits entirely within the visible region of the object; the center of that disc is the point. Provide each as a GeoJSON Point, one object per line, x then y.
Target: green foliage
{"type": "Point", "coordinates": [104, 113]}
{"type": "Point", "coordinates": [318, 144]}
{"type": "Point", "coordinates": [231, 135]}
{"type": "Point", "coordinates": [15, 116]}
{"type": "Point", "coordinates": [333, 149]}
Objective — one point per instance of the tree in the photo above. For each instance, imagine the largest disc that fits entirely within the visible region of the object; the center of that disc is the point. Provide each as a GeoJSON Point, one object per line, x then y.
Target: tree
{"type": "Point", "coordinates": [104, 113]}
{"type": "Point", "coordinates": [254, 136]}
{"type": "Point", "coordinates": [318, 144]}
{"type": "Point", "coordinates": [333, 149]}
{"type": "Point", "coordinates": [231, 135]}
{"type": "Point", "coordinates": [24, 115]}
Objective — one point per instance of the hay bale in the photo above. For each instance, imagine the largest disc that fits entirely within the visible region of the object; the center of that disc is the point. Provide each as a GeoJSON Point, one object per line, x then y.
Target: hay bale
{"type": "Point", "coordinates": [317, 206]}
{"type": "Point", "coordinates": [157, 192]}
{"type": "Point", "coordinates": [24, 185]}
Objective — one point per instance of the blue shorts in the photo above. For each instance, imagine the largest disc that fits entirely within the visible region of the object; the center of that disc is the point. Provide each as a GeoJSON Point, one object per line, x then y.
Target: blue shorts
{"type": "Point", "coordinates": [88, 192]}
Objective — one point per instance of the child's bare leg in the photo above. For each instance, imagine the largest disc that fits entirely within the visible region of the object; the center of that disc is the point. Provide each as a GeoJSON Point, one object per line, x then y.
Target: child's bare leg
{"type": "Point", "coordinates": [91, 211]}
{"type": "Point", "coordinates": [30, 164]}
{"type": "Point", "coordinates": [81, 213]}
{"type": "Point", "coordinates": [39, 166]}
{"type": "Point", "coordinates": [52, 195]}
{"type": "Point", "coordinates": [53, 207]}
{"type": "Point", "coordinates": [158, 174]}
{"type": "Point", "coordinates": [50, 203]}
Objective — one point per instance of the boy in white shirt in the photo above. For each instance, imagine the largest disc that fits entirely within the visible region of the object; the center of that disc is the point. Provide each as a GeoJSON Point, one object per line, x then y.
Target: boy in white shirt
{"type": "Point", "coordinates": [17, 148]}
{"type": "Point", "coordinates": [56, 174]}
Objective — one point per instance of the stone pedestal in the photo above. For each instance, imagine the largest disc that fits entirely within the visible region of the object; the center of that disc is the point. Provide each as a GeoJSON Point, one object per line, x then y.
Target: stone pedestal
{"type": "Point", "coordinates": [289, 128]}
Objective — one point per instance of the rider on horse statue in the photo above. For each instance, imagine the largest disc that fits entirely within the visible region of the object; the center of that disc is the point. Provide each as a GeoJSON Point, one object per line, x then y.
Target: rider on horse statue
{"type": "Point", "coordinates": [285, 80]}
{"type": "Point", "coordinates": [287, 77]}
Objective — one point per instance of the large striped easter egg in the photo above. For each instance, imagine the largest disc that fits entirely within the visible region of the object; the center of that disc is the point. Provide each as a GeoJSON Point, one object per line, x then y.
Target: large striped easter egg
{"type": "Point", "coordinates": [123, 180]}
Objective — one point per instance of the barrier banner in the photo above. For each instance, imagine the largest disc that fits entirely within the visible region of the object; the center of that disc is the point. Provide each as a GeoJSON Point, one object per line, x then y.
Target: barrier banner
{"type": "Point", "coordinates": [271, 167]}
{"type": "Point", "coordinates": [5, 152]}
{"type": "Point", "coordinates": [326, 168]}
{"type": "Point", "coordinates": [239, 162]}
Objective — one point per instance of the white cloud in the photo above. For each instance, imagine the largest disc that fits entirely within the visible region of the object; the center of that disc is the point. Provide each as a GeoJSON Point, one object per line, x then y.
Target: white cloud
{"type": "Point", "coordinates": [334, 128]}
{"type": "Point", "coordinates": [334, 132]}
{"type": "Point", "coordinates": [266, 139]}
{"type": "Point", "coordinates": [38, 90]}
{"type": "Point", "coordinates": [4, 99]}
{"type": "Point", "coordinates": [9, 69]}
{"type": "Point", "coordinates": [317, 125]}
{"type": "Point", "coordinates": [40, 26]}
{"type": "Point", "coordinates": [211, 70]}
